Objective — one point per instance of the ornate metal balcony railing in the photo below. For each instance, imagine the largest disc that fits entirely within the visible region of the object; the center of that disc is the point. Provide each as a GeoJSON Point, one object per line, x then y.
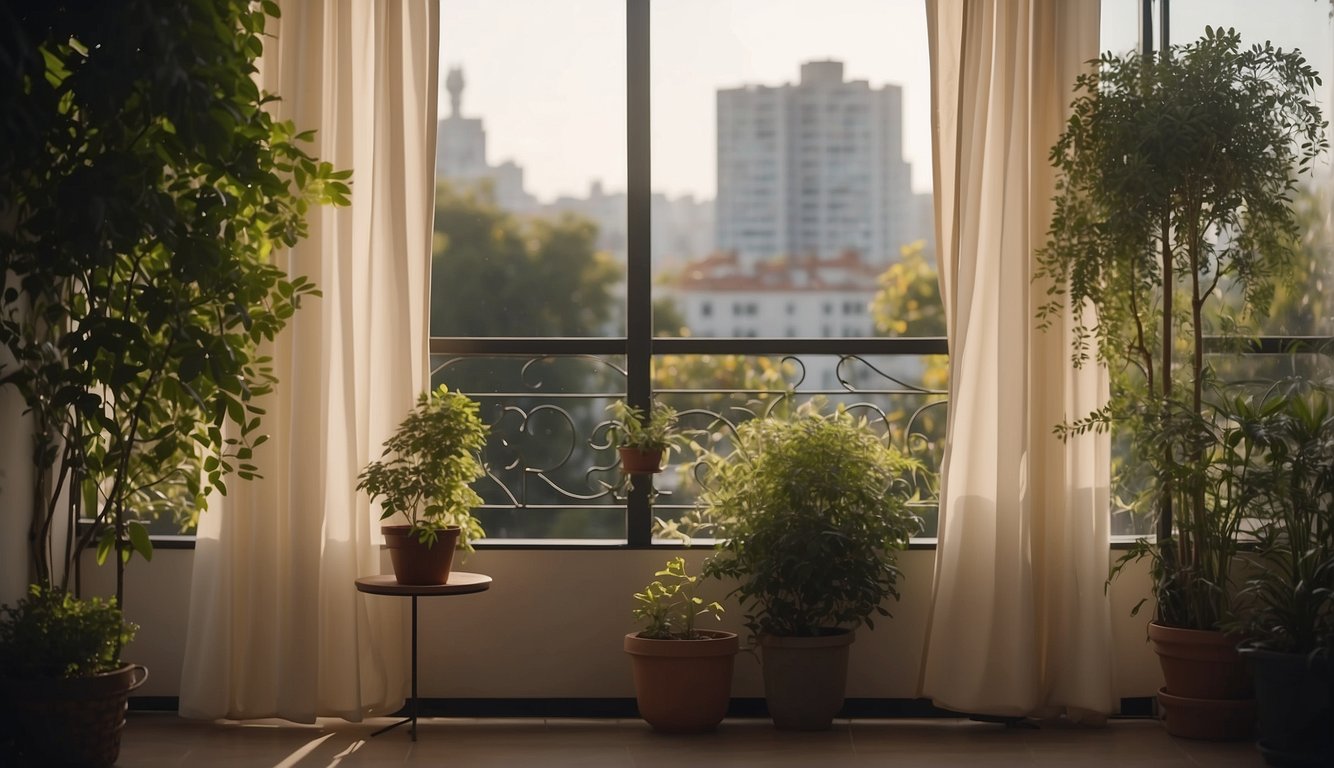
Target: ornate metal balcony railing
{"type": "Point", "coordinates": [552, 471]}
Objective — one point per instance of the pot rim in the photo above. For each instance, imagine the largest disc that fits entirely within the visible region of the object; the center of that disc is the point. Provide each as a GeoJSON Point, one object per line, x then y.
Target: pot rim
{"type": "Point", "coordinates": [838, 636]}
{"type": "Point", "coordinates": [1198, 636]}
{"type": "Point", "coordinates": [718, 643]}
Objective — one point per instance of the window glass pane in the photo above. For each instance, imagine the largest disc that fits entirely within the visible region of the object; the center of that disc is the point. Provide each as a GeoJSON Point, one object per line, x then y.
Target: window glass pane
{"type": "Point", "coordinates": [791, 169]}
{"type": "Point", "coordinates": [531, 162]}
{"type": "Point", "coordinates": [1118, 29]}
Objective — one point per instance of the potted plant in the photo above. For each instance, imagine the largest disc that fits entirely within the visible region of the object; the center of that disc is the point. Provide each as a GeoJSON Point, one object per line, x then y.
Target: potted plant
{"type": "Point", "coordinates": [143, 191]}
{"type": "Point", "coordinates": [683, 675]}
{"type": "Point", "coordinates": [1284, 611]}
{"type": "Point", "coordinates": [810, 510]}
{"type": "Point", "coordinates": [425, 474]}
{"type": "Point", "coordinates": [1174, 179]}
{"type": "Point", "coordinates": [65, 687]}
{"type": "Point", "coordinates": [641, 441]}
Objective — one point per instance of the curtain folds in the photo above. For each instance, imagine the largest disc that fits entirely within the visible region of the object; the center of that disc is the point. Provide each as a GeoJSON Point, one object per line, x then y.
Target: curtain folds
{"type": "Point", "coordinates": [1020, 623]}
{"type": "Point", "coordinates": [276, 627]}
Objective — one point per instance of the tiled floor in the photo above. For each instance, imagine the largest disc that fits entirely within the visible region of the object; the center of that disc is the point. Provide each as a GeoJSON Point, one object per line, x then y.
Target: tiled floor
{"type": "Point", "coordinates": [155, 739]}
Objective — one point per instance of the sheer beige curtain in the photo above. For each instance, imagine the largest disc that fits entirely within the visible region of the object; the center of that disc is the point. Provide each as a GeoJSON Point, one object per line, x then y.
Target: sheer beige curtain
{"type": "Point", "coordinates": [1019, 619]}
{"type": "Point", "coordinates": [276, 626]}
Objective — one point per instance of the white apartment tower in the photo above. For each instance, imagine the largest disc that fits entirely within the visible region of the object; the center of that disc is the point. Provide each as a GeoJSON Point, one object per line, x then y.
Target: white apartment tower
{"type": "Point", "coordinates": [813, 170]}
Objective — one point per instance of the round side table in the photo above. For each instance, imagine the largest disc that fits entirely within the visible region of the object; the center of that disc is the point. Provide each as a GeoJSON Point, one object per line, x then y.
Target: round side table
{"type": "Point", "coordinates": [460, 583]}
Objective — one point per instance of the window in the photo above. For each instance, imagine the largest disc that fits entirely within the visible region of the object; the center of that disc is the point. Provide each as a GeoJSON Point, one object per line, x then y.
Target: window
{"type": "Point", "coordinates": [708, 207]}
{"type": "Point", "coordinates": [698, 210]}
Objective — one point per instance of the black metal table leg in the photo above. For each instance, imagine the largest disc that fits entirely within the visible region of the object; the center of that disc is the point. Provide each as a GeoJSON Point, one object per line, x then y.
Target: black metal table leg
{"type": "Point", "coordinates": [412, 703]}
{"type": "Point", "coordinates": [414, 667]}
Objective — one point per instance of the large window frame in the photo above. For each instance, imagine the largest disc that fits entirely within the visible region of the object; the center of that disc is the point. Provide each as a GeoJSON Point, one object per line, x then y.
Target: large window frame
{"type": "Point", "coordinates": [639, 346]}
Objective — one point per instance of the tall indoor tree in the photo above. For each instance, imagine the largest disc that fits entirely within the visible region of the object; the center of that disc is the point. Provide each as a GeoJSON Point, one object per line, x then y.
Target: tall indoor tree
{"type": "Point", "coordinates": [1177, 173]}
{"type": "Point", "coordinates": [143, 187]}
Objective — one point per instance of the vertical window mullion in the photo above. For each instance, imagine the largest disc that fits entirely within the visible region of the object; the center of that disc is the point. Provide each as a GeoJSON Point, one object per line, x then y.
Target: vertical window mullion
{"type": "Point", "coordinates": [639, 286]}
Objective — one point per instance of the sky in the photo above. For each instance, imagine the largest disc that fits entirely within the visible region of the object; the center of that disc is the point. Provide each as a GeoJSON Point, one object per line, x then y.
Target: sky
{"type": "Point", "coordinates": [547, 77]}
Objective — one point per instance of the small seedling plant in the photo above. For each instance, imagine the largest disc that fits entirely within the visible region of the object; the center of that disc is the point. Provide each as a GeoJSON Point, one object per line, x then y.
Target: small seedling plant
{"type": "Point", "coordinates": [670, 605]}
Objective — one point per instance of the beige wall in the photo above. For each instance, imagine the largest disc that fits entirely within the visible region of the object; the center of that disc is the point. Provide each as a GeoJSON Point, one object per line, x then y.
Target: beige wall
{"type": "Point", "coordinates": [15, 493]}
{"type": "Point", "coordinates": [552, 624]}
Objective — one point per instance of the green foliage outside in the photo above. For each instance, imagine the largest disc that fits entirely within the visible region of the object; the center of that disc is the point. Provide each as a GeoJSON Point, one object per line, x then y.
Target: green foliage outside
{"type": "Point", "coordinates": [1303, 305]}
{"type": "Point", "coordinates": [143, 193]}
{"type": "Point", "coordinates": [667, 318]}
{"type": "Point", "coordinates": [908, 302]}
{"type": "Point", "coordinates": [50, 634]}
{"type": "Point", "coordinates": [494, 274]}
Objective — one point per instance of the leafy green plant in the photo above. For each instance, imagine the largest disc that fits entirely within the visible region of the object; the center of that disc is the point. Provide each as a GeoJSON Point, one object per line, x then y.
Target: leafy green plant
{"type": "Point", "coordinates": [428, 465]}
{"type": "Point", "coordinates": [1286, 602]}
{"type": "Point", "coordinates": [51, 634]}
{"type": "Point", "coordinates": [1175, 175]}
{"type": "Point", "coordinates": [629, 428]}
{"type": "Point", "coordinates": [1200, 455]}
{"type": "Point", "coordinates": [669, 606]}
{"type": "Point", "coordinates": [144, 192]}
{"type": "Point", "coordinates": [810, 510]}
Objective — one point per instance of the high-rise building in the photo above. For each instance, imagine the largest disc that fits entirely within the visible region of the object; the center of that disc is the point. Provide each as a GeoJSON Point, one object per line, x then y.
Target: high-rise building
{"type": "Point", "coordinates": [813, 170]}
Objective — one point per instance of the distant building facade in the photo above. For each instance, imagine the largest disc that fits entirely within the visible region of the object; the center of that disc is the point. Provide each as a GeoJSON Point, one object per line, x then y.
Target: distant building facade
{"type": "Point", "coordinates": [721, 296]}
{"type": "Point", "coordinates": [820, 298]}
{"type": "Point", "coordinates": [460, 154]}
{"type": "Point", "coordinates": [681, 231]}
{"type": "Point", "coordinates": [814, 170]}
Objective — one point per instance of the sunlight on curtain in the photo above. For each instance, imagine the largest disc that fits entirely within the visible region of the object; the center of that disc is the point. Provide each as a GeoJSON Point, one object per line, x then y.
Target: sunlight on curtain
{"type": "Point", "coordinates": [1019, 622]}
{"type": "Point", "coordinates": [276, 625]}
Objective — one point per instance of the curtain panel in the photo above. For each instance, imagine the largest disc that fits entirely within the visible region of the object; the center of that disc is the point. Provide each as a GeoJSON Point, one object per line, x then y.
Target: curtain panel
{"type": "Point", "coordinates": [1019, 621]}
{"type": "Point", "coordinates": [276, 626]}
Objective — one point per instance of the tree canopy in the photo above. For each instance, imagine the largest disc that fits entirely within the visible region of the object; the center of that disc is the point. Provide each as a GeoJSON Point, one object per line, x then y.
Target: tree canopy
{"type": "Point", "coordinates": [493, 274]}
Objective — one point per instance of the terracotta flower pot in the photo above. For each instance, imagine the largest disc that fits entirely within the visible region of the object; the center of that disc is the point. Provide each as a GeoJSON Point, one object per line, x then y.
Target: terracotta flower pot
{"type": "Point", "coordinates": [1200, 664]}
{"type": "Point", "coordinates": [805, 679]}
{"type": "Point", "coordinates": [416, 563]}
{"type": "Point", "coordinates": [683, 686]}
{"type": "Point", "coordinates": [1208, 693]}
{"type": "Point", "coordinates": [1207, 719]}
{"type": "Point", "coordinates": [635, 461]}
